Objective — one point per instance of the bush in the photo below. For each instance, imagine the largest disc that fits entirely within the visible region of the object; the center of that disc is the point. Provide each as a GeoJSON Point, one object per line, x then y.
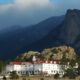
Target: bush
{"type": "Point", "coordinates": [56, 76]}
{"type": "Point", "coordinates": [70, 73]}
{"type": "Point", "coordinates": [14, 75]}
{"type": "Point", "coordinates": [64, 76]}
{"type": "Point", "coordinates": [4, 78]}
{"type": "Point", "coordinates": [42, 79]}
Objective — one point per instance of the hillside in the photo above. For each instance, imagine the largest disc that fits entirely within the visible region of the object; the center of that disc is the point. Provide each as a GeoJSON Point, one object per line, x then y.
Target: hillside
{"type": "Point", "coordinates": [55, 53]}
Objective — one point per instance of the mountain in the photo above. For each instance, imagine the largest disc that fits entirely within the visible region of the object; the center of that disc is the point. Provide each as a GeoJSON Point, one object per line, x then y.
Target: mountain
{"type": "Point", "coordinates": [55, 31]}
{"type": "Point", "coordinates": [16, 39]}
{"type": "Point", "coordinates": [67, 33]}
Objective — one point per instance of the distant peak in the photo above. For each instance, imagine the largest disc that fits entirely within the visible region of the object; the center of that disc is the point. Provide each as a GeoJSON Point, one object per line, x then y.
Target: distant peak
{"type": "Point", "coordinates": [72, 14]}
{"type": "Point", "coordinates": [70, 11]}
{"type": "Point", "coordinates": [73, 10]}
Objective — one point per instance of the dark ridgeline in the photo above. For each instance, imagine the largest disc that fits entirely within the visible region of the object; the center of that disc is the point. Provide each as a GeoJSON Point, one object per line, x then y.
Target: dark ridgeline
{"type": "Point", "coordinates": [67, 33]}
{"type": "Point", "coordinates": [49, 33]}
{"type": "Point", "coordinates": [16, 39]}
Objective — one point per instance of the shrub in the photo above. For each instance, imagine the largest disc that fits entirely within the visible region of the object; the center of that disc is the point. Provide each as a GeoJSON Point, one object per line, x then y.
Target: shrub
{"type": "Point", "coordinates": [14, 75]}
{"type": "Point", "coordinates": [4, 78]}
{"type": "Point", "coordinates": [56, 76]}
{"type": "Point", "coordinates": [42, 79]}
{"type": "Point", "coordinates": [70, 73]}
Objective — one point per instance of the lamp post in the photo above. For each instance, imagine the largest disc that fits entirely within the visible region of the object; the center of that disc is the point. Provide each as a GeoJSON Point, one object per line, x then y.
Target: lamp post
{"type": "Point", "coordinates": [33, 59]}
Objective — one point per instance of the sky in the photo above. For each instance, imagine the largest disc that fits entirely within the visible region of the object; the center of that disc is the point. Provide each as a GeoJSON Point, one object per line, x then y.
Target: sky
{"type": "Point", "coordinates": [29, 12]}
{"type": "Point", "coordinates": [6, 1]}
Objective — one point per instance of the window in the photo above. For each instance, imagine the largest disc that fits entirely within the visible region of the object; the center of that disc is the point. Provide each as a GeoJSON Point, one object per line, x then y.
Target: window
{"type": "Point", "coordinates": [8, 72]}
{"type": "Point", "coordinates": [61, 71]}
{"type": "Point", "coordinates": [52, 71]}
{"type": "Point", "coordinates": [35, 71]}
{"type": "Point", "coordinates": [18, 71]}
{"type": "Point", "coordinates": [56, 71]}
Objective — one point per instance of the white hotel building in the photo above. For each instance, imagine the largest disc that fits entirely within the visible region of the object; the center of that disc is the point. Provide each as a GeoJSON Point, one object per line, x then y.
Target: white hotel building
{"type": "Point", "coordinates": [45, 67]}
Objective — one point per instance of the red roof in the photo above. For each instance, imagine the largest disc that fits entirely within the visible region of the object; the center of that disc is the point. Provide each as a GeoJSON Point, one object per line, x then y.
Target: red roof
{"type": "Point", "coordinates": [51, 62]}
{"type": "Point", "coordinates": [37, 62]}
{"type": "Point", "coordinates": [16, 62]}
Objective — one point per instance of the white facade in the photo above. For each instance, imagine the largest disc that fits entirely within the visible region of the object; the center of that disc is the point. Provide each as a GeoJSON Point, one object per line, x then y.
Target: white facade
{"type": "Point", "coordinates": [12, 67]}
{"type": "Point", "coordinates": [52, 69]}
{"type": "Point", "coordinates": [49, 68]}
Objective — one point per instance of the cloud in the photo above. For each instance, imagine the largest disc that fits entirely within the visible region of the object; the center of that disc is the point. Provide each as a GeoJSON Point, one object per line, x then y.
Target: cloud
{"type": "Point", "coordinates": [26, 5]}
{"type": "Point", "coordinates": [25, 12]}
{"type": "Point", "coordinates": [4, 8]}
{"type": "Point", "coordinates": [28, 12]}
{"type": "Point", "coordinates": [31, 3]}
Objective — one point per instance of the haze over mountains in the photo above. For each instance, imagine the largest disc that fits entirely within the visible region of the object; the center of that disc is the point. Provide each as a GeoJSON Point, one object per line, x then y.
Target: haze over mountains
{"type": "Point", "coordinates": [55, 31]}
{"type": "Point", "coordinates": [15, 40]}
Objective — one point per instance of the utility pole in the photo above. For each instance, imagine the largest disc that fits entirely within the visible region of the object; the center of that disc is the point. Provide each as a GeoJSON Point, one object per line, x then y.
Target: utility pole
{"type": "Point", "coordinates": [34, 60]}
